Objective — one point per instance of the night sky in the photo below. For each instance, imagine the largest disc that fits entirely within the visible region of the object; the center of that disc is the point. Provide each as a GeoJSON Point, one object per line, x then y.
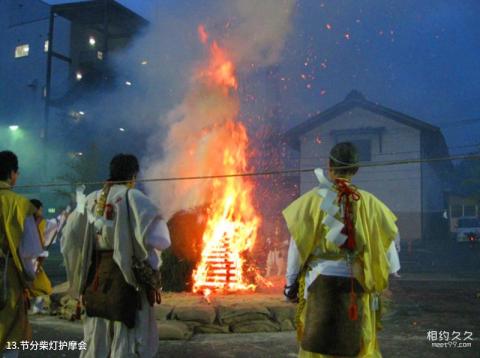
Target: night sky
{"type": "Point", "coordinates": [417, 57]}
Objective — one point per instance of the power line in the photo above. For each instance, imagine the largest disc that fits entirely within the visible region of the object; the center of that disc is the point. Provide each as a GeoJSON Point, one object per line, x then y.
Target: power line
{"type": "Point", "coordinates": [402, 152]}
{"type": "Point", "coordinates": [468, 121]}
{"type": "Point", "coordinates": [264, 173]}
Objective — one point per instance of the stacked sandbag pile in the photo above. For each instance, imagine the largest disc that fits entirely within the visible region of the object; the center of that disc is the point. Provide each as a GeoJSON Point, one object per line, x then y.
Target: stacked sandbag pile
{"type": "Point", "coordinates": [169, 328]}
{"type": "Point", "coordinates": [184, 320]}
{"type": "Point", "coordinates": [246, 318]}
{"type": "Point", "coordinates": [182, 315]}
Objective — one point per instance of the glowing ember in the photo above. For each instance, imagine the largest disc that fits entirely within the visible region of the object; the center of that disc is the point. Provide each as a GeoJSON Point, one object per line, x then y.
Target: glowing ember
{"type": "Point", "coordinates": [232, 223]}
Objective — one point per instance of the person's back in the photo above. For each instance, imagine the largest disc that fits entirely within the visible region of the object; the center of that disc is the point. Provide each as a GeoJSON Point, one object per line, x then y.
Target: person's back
{"type": "Point", "coordinates": [117, 224]}
{"type": "Point", "coordinates": [342, 242]}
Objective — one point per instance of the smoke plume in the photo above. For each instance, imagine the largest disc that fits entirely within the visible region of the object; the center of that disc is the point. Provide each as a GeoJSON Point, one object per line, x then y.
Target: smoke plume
{"type": "Point", "coordinates": [198, 134]}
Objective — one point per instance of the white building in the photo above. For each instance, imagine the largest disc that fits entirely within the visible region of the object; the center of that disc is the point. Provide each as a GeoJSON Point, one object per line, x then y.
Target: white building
{"type": "Point", "coordinates": [414, 191]}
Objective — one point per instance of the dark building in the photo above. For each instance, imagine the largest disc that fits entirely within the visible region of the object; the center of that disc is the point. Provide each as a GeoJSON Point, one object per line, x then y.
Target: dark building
{"type": "Point", "coordinates": [53, 60]}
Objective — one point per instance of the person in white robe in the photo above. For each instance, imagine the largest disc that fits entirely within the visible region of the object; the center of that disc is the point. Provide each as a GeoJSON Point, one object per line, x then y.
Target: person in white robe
{"type": "Point", "coordinates": [86, 231]}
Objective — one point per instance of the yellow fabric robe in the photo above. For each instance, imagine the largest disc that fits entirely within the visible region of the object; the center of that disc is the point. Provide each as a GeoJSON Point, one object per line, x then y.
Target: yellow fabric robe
{"type": "Point", "coordinates": [14, 325]}
{"type": "Point", "coordinates": [375, 230]}
{"type": "Point", "coordinates": [42, 285]}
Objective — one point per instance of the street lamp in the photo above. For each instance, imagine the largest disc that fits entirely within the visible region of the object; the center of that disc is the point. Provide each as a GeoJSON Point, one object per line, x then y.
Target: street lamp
{"type": "Point", "coordinates": [13, 127]}
{"type": "Point", "coordinates": [92, 41]}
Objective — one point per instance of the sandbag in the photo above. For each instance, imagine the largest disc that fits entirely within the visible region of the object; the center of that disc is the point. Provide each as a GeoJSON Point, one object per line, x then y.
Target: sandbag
{"type": "Point", "coordinates": [202, 314]}
{"type": "Point", "coordinates": [212, 328]}
{"type": "Point", "coordinates": [241, 312]}
{"type": "Point", "coordinates": [192, 324]}
{"type": "Point", "coordinates": [287, 325]}
{"type": "Point", "coordinates": [68, 310]}
{"type": "Point", "coordinates": [177, 330]}
{"type": "Point", "coordinates": [283, 312]}
{"type": "Point", "coordinates": [163, 312]}
{"type": "Point", "coordinates": [256, 326]}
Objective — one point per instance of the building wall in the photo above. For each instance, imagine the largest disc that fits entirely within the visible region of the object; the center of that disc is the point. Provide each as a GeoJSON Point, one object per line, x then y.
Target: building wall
{"type": "Point", "coordinates": [24, 79]}
{"type": "Point", "coordinates": [22, 87]}
{"type": "Point", "coordinates": [398, 186]}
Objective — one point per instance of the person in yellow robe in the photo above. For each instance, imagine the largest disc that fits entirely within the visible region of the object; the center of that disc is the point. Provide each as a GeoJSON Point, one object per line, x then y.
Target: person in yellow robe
{"type": "Point", "coordinates": [19, 251]}
{"type": "Point", "coordinates": [341, 253]}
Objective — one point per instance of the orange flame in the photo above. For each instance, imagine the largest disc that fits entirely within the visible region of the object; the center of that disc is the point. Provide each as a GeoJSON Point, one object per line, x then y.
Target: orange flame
{"type": "Point", "coordinates": [202, 34]}
{"type": "Point", "coordinates": [221, 70]}
{"type": "Point", "coordinates": [232, 223]}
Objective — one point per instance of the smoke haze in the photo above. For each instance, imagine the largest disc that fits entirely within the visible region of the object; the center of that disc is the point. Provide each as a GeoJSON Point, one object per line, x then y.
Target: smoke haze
{"type": "Point", "coordinates": [196, 127]}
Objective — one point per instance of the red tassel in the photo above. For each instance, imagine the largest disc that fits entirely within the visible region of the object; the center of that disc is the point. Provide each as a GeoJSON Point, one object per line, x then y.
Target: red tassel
{"type": "Point", "coordinates": [353, 308]}
{"type": "Point", "coordinates": [350, 194]}
{"type": "Point", "coordinates": [353, 312]}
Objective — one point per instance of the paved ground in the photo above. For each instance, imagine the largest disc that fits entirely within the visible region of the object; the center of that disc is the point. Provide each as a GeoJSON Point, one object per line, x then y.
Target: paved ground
{"type": "Point", "coordinates": [423, 303]}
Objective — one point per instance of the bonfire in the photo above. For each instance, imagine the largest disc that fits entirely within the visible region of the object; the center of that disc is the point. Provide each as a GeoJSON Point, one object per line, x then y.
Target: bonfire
{"type": "Point", "coordinates": [233, 222]}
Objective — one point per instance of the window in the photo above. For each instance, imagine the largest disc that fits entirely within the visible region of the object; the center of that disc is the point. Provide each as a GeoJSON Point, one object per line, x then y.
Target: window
{"type": "Point", "coordinates": [469, 210]}
{"type": "Point", "coordinates": [364, 148]}
{"type": "Point", "coordinates": [22, 51]}
{"type": "Point", "coordinates": [468, 223]}
{"type": "Point", "coordinates": [456, 211]}
{"type": "Point", "coordinates": [45, 46]}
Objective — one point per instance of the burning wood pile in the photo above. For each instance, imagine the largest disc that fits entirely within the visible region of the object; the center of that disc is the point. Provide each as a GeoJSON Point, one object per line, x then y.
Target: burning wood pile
{"type": "Point", "coordinates": [233, 222]}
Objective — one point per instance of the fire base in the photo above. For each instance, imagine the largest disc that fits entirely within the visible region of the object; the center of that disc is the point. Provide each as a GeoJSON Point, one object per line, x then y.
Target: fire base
{"type": "Point", "coordinates": [181, 315]}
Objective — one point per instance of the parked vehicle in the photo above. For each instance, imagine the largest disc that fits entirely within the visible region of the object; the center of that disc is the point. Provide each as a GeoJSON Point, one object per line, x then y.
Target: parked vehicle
{"type": "Point", "coordinates": [467, 230]}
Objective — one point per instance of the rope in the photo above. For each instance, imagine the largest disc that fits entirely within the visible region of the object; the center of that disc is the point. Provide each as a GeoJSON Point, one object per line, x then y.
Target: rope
{"type": "Point", "coordinates": [347, 194]}
{"type": "Point", "coordinates": [302, 302]}
{"type": "Point", "coordinates": [261, 173]}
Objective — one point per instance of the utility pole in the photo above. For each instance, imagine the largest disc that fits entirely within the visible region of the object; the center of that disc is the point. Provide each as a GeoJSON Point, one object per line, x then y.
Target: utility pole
{"type": "Point", "coordinates": [47, 94]}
